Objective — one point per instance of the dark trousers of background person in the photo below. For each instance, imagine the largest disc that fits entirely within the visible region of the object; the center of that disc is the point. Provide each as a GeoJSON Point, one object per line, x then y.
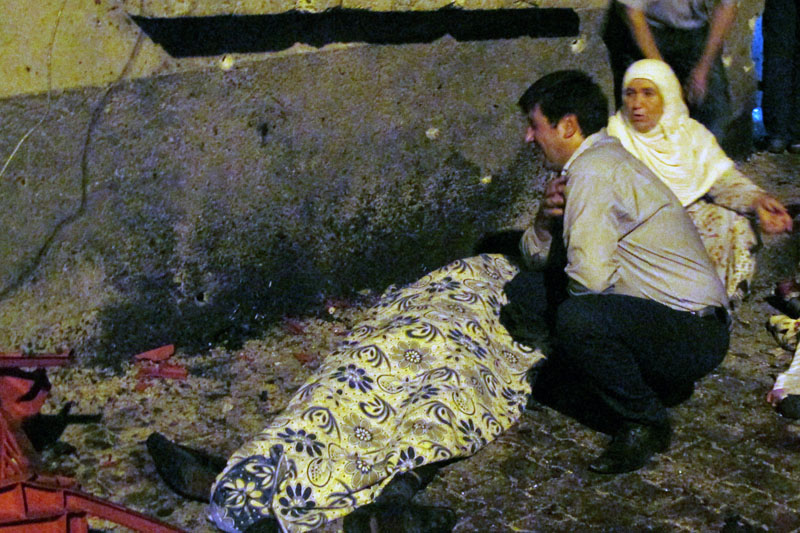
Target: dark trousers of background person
{"type": "Point", "coordinates": [624, 359]}
{"type": "Point", "coordinates": [681, 49]}
{"type": "Point", "coordinates": [781, 72]}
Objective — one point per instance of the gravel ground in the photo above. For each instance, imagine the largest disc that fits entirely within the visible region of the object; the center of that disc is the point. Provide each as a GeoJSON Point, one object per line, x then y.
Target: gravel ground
{"type": "Point", "coordinates": [733, 459]}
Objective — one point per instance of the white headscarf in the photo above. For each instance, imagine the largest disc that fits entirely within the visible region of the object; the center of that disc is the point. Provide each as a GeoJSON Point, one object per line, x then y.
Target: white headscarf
{"type": "Point", "coordinates": [679, 150]}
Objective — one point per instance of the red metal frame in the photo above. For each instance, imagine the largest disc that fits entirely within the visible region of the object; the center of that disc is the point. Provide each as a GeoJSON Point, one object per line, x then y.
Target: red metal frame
{"type": "Point", "coordinates": [39, 504]}
{"type": "Point", "coordinates": [44, 505]}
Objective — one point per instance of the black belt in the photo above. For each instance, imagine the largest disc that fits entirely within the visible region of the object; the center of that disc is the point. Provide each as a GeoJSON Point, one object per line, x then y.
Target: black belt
{"type": "Point", "coordinates": [718, 312]}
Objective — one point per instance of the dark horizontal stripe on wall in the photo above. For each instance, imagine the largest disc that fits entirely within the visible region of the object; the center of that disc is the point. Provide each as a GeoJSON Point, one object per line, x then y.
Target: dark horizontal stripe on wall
{"type": "Point", "coordinates": [205, 36]}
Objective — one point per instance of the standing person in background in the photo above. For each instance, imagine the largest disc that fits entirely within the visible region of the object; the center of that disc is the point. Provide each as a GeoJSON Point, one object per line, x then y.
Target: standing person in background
{"type": "Point", "coordinates": [781, 75]}
{"type": "Point", "coordinates": [689, 38]}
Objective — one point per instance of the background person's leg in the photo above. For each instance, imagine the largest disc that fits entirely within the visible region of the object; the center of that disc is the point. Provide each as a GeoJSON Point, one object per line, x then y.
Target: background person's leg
{"type": "Point", "coordinates": [622, 49]}
{"type": "Point", "coordinates": [794, 114]}
{"type": "Point", "coordinates": [682, 49]}
{"type": "Point", "coordinates": [715, 111]}
{"type": "Point", "coordinates": [779, 29]}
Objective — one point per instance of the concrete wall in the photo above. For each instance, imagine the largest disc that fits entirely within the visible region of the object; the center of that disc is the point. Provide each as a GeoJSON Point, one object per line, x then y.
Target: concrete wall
{"type": "Point", "coordinates": [199, 206]}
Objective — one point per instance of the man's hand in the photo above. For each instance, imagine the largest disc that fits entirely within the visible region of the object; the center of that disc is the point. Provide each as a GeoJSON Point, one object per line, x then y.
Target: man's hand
{"type": "Point", "coordinates": [552, 206]}
{"type": "Point", "coordinates": [772, 215]}
{"type": "Point", "coordinates": [554, 197]}
{"type": "Point", "coordinates": [697, 84]}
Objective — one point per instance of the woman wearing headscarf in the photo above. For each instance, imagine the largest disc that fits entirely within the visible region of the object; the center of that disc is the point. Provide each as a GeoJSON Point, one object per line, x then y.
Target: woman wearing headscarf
{"type": "Point", "coordinates": [654, 125]}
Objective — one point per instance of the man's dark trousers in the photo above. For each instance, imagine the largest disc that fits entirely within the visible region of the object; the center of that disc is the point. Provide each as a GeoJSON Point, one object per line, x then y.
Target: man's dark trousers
{"type": "Point", "coordinates": [625, 359]}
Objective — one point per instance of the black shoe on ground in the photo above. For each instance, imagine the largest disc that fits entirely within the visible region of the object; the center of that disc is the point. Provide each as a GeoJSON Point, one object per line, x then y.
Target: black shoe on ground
{"type": "Point", "coordinates": [631, 447]}
{"type": "Point", "coordinates": [265, 525]}
{"type": "Point", "coordinates": [187, 471]}
{"type": "Point", "coordinates": [789, 406]}
{"type": "Point", "coordinates": [776, 145]}
{"type": "Point", "coordinates": [794, 147]}
{"type": "Point", "coordinates": [400, 517]}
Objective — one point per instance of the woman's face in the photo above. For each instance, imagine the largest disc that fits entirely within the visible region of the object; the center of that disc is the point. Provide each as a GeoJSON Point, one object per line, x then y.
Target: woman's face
{"type": "Point", "coordinates": [643, 104]}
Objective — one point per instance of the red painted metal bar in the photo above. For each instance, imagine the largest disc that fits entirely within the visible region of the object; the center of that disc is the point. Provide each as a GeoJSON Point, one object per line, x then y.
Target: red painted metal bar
{"type": "Point", "coordinates": [80, 501]}
{"type": "Point", "coordinates": [53, 524]}
{"type": "Point", "coordinates": [20, 360]}
{"type": "Point", "coordinates": [29, 506]}
{"type": "Point", "coordinates": [12, 460]}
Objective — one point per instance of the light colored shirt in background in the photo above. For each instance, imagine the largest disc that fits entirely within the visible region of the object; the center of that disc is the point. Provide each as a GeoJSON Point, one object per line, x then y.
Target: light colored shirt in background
{"type": "Point", "coordinates": [680, 14]}
{"type": "Point", "coordinates": [626, 233]}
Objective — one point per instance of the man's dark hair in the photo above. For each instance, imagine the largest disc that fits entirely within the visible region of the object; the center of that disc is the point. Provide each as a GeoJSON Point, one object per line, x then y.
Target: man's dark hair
{"type": "Point", "coordinates": [568, 92]}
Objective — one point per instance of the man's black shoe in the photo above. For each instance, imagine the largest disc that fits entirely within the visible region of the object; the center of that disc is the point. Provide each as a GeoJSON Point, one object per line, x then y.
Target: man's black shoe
{"type": "Point", "coordinates": [631, 447]}
{"type": "Point", "coordinates": [187, 471]}
{"type": "Point", "coordinates": [794, 147]}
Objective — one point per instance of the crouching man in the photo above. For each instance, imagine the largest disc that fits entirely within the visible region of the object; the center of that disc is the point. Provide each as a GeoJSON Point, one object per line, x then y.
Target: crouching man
{"type": "Point", "coordinates": [645, 314]}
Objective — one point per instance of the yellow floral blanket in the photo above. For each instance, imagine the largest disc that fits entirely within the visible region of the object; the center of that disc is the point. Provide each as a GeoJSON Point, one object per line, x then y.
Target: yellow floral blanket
{"type": "Point", "coordinates": [430, 375]}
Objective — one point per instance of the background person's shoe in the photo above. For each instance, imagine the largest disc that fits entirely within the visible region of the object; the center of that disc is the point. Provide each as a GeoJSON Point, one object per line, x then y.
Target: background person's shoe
{"type": "Point", "coordinates": [776, 145]}
{"type": "Point", "coordinates": [631, 447]}
{"type": "Point", "coordinates": [794, 147]}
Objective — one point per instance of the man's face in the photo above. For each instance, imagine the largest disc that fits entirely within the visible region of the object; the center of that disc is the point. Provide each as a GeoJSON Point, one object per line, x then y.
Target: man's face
{"type": "Point", "coordinates": [548, 138]}
{"type": "Point", "coordinates": [643, 104]}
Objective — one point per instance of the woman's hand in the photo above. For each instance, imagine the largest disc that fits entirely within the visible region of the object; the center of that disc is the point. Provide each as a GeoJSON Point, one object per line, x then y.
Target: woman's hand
{"type": "Point", "coordinates": [775, 396]}
{"type": "Point", "coordinates": [772, 215]}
